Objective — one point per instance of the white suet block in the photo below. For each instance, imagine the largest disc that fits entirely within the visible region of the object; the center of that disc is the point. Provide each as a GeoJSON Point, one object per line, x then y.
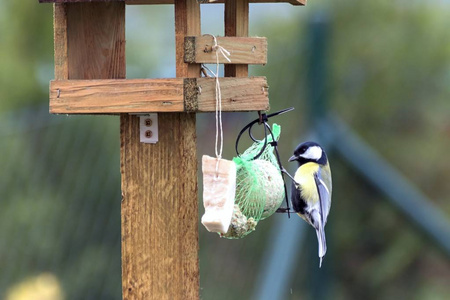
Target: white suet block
{"type": "Point", "coordinates": [219, 187]}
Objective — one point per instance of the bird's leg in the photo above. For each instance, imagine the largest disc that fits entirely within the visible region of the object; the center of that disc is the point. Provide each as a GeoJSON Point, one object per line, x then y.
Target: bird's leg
{"type": "Point", "coordinates": [290, 176]}
{"type": "Point", "coordinates": [283, 210]}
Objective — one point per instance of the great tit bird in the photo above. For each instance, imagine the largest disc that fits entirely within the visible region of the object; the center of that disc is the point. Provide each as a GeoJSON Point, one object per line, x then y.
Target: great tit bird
{"type": "Point", "coordinates": [311, 189]}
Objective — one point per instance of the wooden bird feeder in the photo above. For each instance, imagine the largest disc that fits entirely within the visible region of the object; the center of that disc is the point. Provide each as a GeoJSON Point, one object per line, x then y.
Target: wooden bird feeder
{"type": "Point", "coordinates": [159, 180]}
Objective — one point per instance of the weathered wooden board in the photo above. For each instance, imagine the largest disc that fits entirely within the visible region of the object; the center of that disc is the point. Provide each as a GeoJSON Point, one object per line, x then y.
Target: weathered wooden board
{"type": "Point", "coordinates": [238, 94]}
{"type": "Point", "coordinates": [293, 2]}
{"type": "Point", "coordinates": [243, 50]}
{"type": "Point", "coordinates": [101, 26]}
{"type": "Point", "coordinates": [160, 196]}
{"type": "Point", "coordinates": [159, 210]}
{"type": "Point", "coordinates": [236, 24]}
{"type": "Point", "coordinates": [116, 96]}
{"type": "Point", "coordinates": [60, 43]}
{"type": "Point", "coordinates": [156, 95]}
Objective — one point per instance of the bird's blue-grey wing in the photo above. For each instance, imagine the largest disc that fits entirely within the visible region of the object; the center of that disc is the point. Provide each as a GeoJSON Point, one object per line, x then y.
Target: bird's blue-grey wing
{"type": "Point", "coordinates": [323, 183]}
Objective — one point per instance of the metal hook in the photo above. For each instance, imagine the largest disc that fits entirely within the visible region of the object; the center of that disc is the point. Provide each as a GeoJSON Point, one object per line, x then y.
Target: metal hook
{"type": "Point", "coordinates": [263, 118]}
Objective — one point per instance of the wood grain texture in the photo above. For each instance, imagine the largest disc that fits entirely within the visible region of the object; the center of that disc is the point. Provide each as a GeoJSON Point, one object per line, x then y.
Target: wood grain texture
{"type": "Point", "coordinates": [116, 96]}
{"type": "Point", "coordinates": [160, 201]}
{"type": "Point", "coordinates": [236, 24]}
{"type": "Point", "coordinates": [96, 40]}
{"type": "Point", "coordinates": [238, 94]}
{"type": "Point", "coordinates": [60, 41]}
{"type": "Point", "coordinates": [243, 50]}
{"type": "Point", "coordinates": [187, 23]}
{"type": "Point", "coordinates": [156, 95]}
{"type": "Point", "coordinates": [293, 2]}
{"type": "Point", "coordinates": [89, 40]}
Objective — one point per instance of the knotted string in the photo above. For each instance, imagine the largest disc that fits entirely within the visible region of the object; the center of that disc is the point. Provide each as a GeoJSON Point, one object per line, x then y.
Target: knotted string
{"type": "Point", "coordinates": [219, 127]}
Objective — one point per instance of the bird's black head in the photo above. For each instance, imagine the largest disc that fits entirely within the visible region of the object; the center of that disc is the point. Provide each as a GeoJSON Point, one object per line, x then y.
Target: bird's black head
{"type": "Point", "coordinates": [309, 152]}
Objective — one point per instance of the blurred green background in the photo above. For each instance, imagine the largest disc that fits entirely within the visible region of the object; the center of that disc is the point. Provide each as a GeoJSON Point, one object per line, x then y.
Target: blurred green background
{"type": "Point", "coordinates": [386, 74]}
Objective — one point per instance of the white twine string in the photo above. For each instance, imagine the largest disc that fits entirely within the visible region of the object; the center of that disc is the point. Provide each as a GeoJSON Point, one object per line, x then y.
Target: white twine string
{"type": "Point", "coordinates": [219, 127]}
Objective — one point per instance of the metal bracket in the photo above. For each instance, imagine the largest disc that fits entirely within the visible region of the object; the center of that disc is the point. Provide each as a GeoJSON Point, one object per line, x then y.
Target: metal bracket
{"type": "Point", "coordinates": [148, 128]}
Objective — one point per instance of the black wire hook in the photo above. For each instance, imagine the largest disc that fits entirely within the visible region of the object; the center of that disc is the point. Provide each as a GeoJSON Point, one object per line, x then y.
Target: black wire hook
{"type": "Point", "coordinates": [263, 119]}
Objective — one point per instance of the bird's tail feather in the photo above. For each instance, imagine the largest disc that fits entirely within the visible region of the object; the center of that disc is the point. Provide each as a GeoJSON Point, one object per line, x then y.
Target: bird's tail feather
{"type": "Point", "coordinates": [320, 232]}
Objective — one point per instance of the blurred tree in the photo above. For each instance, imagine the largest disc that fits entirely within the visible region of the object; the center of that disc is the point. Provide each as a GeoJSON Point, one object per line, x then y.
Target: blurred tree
{"type": "Point", "coordinates": [26, 44]}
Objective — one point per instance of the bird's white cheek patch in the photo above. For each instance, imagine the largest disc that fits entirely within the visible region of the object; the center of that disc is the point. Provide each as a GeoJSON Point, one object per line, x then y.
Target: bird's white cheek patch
{"type": "Point", "coordinates": [313, 153]}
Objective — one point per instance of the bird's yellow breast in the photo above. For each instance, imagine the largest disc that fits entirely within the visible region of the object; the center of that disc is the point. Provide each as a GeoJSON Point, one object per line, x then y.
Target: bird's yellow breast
{"type": "Point", "coordinates": [305, 178]}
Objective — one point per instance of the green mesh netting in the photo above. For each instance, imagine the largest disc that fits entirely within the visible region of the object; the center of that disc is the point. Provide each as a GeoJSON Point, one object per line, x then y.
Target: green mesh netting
{"type": "Point", "coordinates": [259, 187]}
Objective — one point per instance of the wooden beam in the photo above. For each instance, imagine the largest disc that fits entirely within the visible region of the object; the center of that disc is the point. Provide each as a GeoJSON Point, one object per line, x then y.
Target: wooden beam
{"type": "Point", "coordinates": [160, 197]}
{"type": "Point", "coordinates": [243, 50]}
{"type": "Point", "coordinates": [60, 38]}
{"type": "Point", "coordinates": [187, 21]}
{"type": "Point", "coordinates": [139, 2]}
{"type": "Point", "coordinates": [159, 239]}
{"type": "Point", "coordinates": [238, 94]}
{"type": "Point", "coordinates": [116, 96]}
{"type": "Point", "coordinates": [236, 24]}
{"type": "Point", "coordinates": [156, 95]}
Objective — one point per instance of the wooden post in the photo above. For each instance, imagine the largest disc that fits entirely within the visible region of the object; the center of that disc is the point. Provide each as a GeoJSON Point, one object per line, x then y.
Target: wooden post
{"type": "Point", "coordinates": [236, 24]}
{"type": "Point", "coordinates": [159, 193]}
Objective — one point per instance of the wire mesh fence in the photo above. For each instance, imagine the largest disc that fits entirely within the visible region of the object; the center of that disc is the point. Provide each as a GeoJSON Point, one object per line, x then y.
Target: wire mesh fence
{"type": "Point", "coordinates": [60, 212]}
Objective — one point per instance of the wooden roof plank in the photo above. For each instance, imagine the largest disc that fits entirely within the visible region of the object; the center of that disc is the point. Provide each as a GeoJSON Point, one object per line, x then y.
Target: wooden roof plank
{"type": "Point", "coordinates": [138, 2]}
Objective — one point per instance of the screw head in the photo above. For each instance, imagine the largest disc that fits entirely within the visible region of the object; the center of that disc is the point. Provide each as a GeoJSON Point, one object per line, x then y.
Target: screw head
{"type": "Point", "coordinates": [148, 122]}
{"type": "Point", "coordinates": [148, 134]}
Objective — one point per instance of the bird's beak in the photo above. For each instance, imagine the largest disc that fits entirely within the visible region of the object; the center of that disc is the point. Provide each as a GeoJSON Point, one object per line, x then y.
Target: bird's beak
{"type": "Point", "coordinates": [293, 157]}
